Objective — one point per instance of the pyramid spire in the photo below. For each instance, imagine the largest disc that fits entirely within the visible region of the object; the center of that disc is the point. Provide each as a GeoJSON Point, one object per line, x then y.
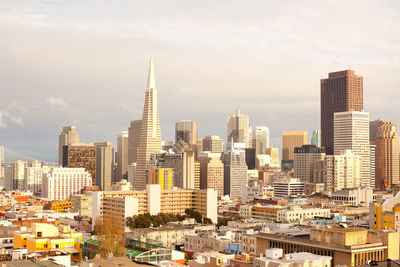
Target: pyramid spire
{"type": "Point", "coordinates": [151, 80]}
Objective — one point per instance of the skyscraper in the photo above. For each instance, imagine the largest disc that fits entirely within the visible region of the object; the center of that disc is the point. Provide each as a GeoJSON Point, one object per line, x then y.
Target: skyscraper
{"type": "Point", "coordinates": [104, 165]}
{"type": "Point", "coordinates": [341, 91]}
{"type": "Point", "coordinates": [304, 162]}
{"type": "Point", "coordinates": [122, 156]}
{"type": "Point", "coordinates": [351, 131]}
{"type": "Point", "coordinates": [316, 138]}
{"type": "Point", "coordinates": [211, 172]}
{"type": "Point", "coordinates": [186, 131]}
{"type": "Point", "coordinates": [133, 141]}
{"type": "Point", "coordinates": [290, 140]}
{"type": "Point", "coordinates": [81, 156]}
{"type": "Point", "coordinates": [238, 128]}
{"type": "Point", "coordinates": [387, 155]}
{"type": "Point", "coordinates": [213, 144]}
{"type": "Point", "coordinates": [235, 171]}
{"type": "Point", "coordinates": [69, 136]}
{"type": "Point", "coordinates": [150, 133]}
{"type": "Point", "coordinates": [260, 139]}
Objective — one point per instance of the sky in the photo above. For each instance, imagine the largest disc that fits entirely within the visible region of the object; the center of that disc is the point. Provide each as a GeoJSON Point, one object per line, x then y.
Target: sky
{"type": "Point", "coordinates": [85, 63]}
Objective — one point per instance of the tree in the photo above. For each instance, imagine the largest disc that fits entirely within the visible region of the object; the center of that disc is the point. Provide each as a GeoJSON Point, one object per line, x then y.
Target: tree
{"type": "Point", "coordinates": [207, 221]}
{"type": "Point", "coordinates": [111, 237]}
{"type": "Point", "coordinates": [191, 213]}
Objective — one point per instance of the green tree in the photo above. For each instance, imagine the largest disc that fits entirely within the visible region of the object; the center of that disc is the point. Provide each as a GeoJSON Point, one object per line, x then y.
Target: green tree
{"type": "Point", "coordinates": [111, 238]}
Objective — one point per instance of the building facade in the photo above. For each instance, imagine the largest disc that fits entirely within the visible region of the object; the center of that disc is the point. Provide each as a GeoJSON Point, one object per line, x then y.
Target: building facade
{"type": "Point", "coordinates": [238, 128]}
{"type": "Point", "coordinates": [305, 158]}
{"type": "Point", "coordinates": [68, 136]}
{"type": "Point", "coordinates": [211, 172]}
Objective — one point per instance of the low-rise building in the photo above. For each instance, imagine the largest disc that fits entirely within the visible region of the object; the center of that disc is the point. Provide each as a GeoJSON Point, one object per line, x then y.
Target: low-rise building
{"type": "Point", "coordinates": [290, 187]}
{"type": "Point", "coordinates": [275, 258]}
{"type": "Point", "coordinates": [353, 196]}
{"type": "Point", "coordinates": [82, 204]}
{"type": "Point", "coordinates": [385, 215]}
{"type": "Point", "coordinates": [296, 213]}
{"type": "Point", "coordinates": [206, 242]}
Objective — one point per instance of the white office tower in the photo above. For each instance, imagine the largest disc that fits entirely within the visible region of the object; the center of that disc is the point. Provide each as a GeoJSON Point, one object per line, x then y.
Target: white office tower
{"type": "Point", "coordinates": [235, 171]}
{"type": "Point", "coordinates": [351, 131]}
{"type": "Point", "coordinates": [260, 139]}
{"type": "Point", "coordinates": [238, 128]}
{"type": "Point", "coordinates": [61, 183]}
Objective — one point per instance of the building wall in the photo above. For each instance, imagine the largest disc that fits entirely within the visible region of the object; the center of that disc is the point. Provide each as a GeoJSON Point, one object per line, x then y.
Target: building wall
{"type": "Point", "coordinates": [290, 140]}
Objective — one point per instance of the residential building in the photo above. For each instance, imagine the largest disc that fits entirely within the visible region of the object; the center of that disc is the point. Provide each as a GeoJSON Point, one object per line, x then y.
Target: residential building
{"type": "Point", "coordinates": [235, 171]}
{"type": "Point", "coordinates": [122, 156]}
{"type": "Point", "coordinates": [291, 140]}
{"type": "Point", "coordinates": [81, 156]}
{"type": "Point", "coordinates": [213, 144]}
{"type": "Point", "coordinates": [61, 183]}
{"type": "Point", "coordinates": [238, 128]}
{"type": "Point", "coordinates": [260, 139]}
{"type": "Point", "coordinates": [104, 165]}
{"type": "Point", "coordinates": [150, 133]}
{"type": "Point", "coordinates": [351, 131]}
{"type": "Point", "coordinates": [305, 158]}
{"type": "Point", "coordinates": [342, 91]}
{"type": "Point", "coordinates": [387, 161]}
{"type": "Point", "coordinates": [68, 136]}
{"type": "Point", "coordinates": [288, 187]}
{"type": "Point", "coordinates": [82, 204]}
{"type": "Point", "coordinates": [353, 196]}
{"type": "Point", "coordinates": [211, 172]}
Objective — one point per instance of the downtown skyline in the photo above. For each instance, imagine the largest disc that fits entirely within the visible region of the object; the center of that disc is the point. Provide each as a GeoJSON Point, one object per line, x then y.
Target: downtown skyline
{"type": "Point", "coordinates": [101, 90]}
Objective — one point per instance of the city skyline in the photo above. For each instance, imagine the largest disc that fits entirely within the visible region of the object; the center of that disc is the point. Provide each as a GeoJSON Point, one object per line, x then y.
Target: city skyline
{"type": "Point", "coordinates": [101, 90]}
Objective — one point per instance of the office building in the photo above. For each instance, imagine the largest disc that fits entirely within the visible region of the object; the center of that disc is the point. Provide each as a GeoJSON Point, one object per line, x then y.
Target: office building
{"type": "Point", "coordinates": [33, 178]}
{"type": "Point", "coordinates": [235, 171]}
{"type": "Point", "coordinates": [133, 140]}
{"type": "Point", "coordinates": [181, 160]}
{"type": "Point", "coordinates": [250, 158]}
{"type": "Point", "coordinates": [342, 91]}
{"type": "Point", "coordinates": [62, 183]}
{"type": "Point", "coordinates": [122, 156]}
{"type": "Point", "coordinates": [162, 176]}
{"type": "Point", "coordinates": [150, 133]}
{"type": "Point", "coordinates": [213, 144]}
{"type": "Point", "coordinates": [304, 161]}
{"type": "Point", "coordinates": [68, 136]}
{"type": "Point", "coordinates": [316, 138]}
{"type": "Point", "coordinates": [16, 175]}
{"type": "Point", "coordinates": [290, 140]}
{"type": "Point", "coordinates": [372, 153]}
{"type": "Point", "coordinates": [211, 172]}
{"type": "Point", "coordinates": [387, 155]}
{"type": "Point", "coordinates": [288, 187]}
{"type": "Point", "coordinates": [104, 165]}
{"type": "Point", "coordinates": [186, 131]}
{"type": "Point", "coordinates": [351, 131]}
{"type": "Point", "coordinates": [81, 156]}
{"type": "Point", "coordinates": [273, 152]}
{"type": "Point", "coordinates": [353, 196]}
{"type": "Point", "coordinates": [260, 139]}
{"type": "Point", "coordinates": [238, 128]}
{"type": "Point", "coordinates": [196, 175]}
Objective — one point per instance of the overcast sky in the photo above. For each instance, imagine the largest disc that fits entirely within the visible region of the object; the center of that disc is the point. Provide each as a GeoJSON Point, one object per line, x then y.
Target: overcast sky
{"type": "Point", "coordinates": [85, 63]}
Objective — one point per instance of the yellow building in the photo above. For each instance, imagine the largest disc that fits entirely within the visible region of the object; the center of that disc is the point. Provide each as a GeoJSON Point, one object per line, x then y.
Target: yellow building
{"type": "Point", "coordinates": [82, 204]}
{"type": "Point", "coordinates": [46, 237]}
{"type": "Point", "coordinates": [196, 175]}
{"type": "Point", "coordinates": [266, 212]}
{"type": "Point", "coordinates": [161, 176]}
{"type": "Point", "coordinates": [385, 215]}
{"type": "Point", "coordinates": [290, 140]}
{"type": "Point", "coordinates": [60, 206]}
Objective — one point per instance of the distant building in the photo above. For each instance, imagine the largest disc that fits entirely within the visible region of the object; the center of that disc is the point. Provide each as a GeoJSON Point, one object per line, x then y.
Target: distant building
{"type": "Point", "coordinates": [316, 138]}
{"type": "Point", "coordinates": [235, 171]}
{"type": "Point", "coordinates": [82, 204]}
{"type": "Point", "coordinates": [122, 156]}
{"type": "Point", "coordinates": [81, 156]}
{"type": "Point", "coordinates": [290, 187]}
{"type": "Point", "coordinates": [260, 139]}
{"type": "Point", "coordinates": [275, 257]}
{"type": "Point", "coordinates": [68, 136]}
{"type": "Point", "coordinates": [273, 152]}
{"type": "Point", "coordinates": [250, 154]}
{"type": "Point", "coordinates": [211, 172]}
{"type": "Point", "coordinates": [353, 196]}
{"type": "Point", "coordinates": [186, 131]}
{"type": "Point", "coordinates": [290, 140]}
{"type": "Point", "coordinates": [133, 140]}
{"type": "Point", "coordinates": [213, 144]}
{"type": "Point", "coordinates": [238, 128]}
{"type": "Point", "coordinates": [161, 176]}
{"type": "Point", "coordinates": [104, 165]}
{"type": "Point", "coordinates": [305, 158]}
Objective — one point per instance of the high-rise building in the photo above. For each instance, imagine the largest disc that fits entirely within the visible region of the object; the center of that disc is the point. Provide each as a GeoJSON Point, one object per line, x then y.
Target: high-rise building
{"type": "Point", "coordinates": [81, 156]}
{"type": "Point", "coordinates": [372, 149]}
{"type": "Point", "coordinates": [104, 165]}
{"type": "Point", "coordinates": [238, 128]}
{"type": "Point", "coordinates": [211, 172]}
{"type": "Point", "coordinates": [62, 183]}
{"type": "Point", "coordinates": [161, 176]}
{"type": "Point", "coordinates": [316, 138]}
{"type": "Point", "coordinates": [260, 139]}
{"type": "Point", "coordinates": [373, 127]}
{"type": "Point", "coordinates": [133, 141]}
{"type": "Point", "coordinates": [351, 131]}
{"type": "Point", "coordinates": [387, 155]}
{"type": "Point", "coordinates": [68, 136]}
{"type": "Point", "coordinates": [34, 177]}
{"type": "Point", "coordinates": [122, 156]}
{"type": "Point", "coordinates": [213, 144]}
{"type": "Point", "coordinates": [196, 175]}
{"type": "Point", "coordinates": [273, 152]}
{"type": "Point", "coordinates": [17, 175]}
{"type": "Point", "coordinates": [150, 133]}
{"type": "Point", "coordinates": [186, 131]}
{"type": "Point", "coordinates": [235, 171]}
{"type": "Point", "coordinates": [339, 171]}
{"type": "Point", "coordinates": [290, 140]}
{"type": "Point", "coordinates": [304, 161]}
{"type": "Point", "coordinates": [250, 158]}
{"type": "Point", "coordinates": [341, 91]}
{"type": "Point", "coordinates": [181, 160]}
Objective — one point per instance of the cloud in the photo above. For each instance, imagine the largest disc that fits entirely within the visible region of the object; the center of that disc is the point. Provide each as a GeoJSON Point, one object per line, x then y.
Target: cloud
{"type": "Point", "coordinates": [3, 124]}
{"type": "Point", "coordinates": [6, 118]}
{"type": "Point", "coordinates": [58, 103]}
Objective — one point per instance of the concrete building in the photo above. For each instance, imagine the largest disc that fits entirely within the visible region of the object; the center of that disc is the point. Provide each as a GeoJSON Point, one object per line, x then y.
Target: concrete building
{"type": "Point", "coordinates": [81, 156]}
{"type": "Point", "coordinates": [238, 128]}
{"type": "Point", "coordinates": [104, 165]}
{"type": "Point", "coordinates": [249, 193]}
{"type": "Point", "coordinates": [305, 158]}
{"type": "Point", "coordinates": [150, 133]}
{"type": "Point", "coordinates": [372, 153]}
{"type": "Point", "coordinates": [296, 214]}
{"type": "Point", "coordinates": [209, 241]}
{"type": "Point", "coordinates": [68, 136]}
{"type": "Point", "coordinates": [290, 187]}
{"type": "Point", "coordinates": [260, 139]}
{"type": "Point", "coordinates": [387, 161]}
{"type": "Point", "coordinates": [211, 172]}
{"type": "Point", "coordinates": [153, 200]}
{"type": "Point", "coordinates": [196, 175]}
{"type": "Point", "coordinates": [15, 175]}
{"type": "Point", "coordinates": [82, 204]}
{"type": "Point", "coordinates": [213, 144]}
{"type": "Point", "coordinates": [235, 171]}
{"type": "Point", "coordinates": [273, 152]}
{"type": "Point", "coordinates": [133, 140]}
{"type": "Point", "coordinates": [353, 196]}
{"type": "Point", "coordinates": [347, 246]}
{"type": "Point", "coordinates": [181, 160]}
{"type": "Point", "coordinates": [186, 131]}
{"type": "Point", "coordinates": [291, 140]}
{"type": "Point", "coordinates": [162, 176]}
{"type": "Point", "coordinates": [342, 91]}
{"type": "Point", "coordinates": [62, 183]}
{"type": "Point", "coordinates": [385, 215]}
{"type": "Point", "coordinates": [33, 178]}
{"type": "Point", "coordinates": [122, 156]}
{"type": "Point", "coordinates": [351, 131]}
